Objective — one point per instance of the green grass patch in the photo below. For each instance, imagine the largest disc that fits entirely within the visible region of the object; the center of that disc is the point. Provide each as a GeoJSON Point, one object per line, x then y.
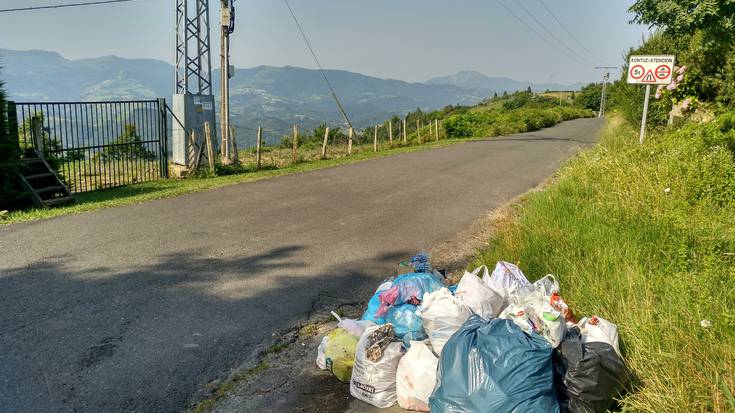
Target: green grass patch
{"type": "Point", "coordinates": [643, 235]}
{"type": "Point", "coordinates": [222, 390]}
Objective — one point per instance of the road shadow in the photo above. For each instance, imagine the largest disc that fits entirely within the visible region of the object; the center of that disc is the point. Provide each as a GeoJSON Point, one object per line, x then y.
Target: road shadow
{"type": "Point", "coordinates": [148, 338]}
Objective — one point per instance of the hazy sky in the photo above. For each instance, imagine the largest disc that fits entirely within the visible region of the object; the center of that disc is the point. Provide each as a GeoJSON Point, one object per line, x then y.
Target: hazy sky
{"type": "Point", "coordinates": [402, 39]}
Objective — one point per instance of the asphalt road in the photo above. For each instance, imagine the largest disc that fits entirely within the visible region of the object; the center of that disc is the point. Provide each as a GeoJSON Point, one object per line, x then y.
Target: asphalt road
{"type": "Point", "coordinates": [133, 308]}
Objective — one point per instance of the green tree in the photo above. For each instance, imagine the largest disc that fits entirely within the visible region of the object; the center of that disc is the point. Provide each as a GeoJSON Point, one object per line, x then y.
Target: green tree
{"type": "Point", "coordinates": [701, 33]}
{"type": "Point", "coordinates": [10, 193]}
{"type": "Point", "coordinates": [529, 90]}
{"type": "Point", "coordinates": [589, 96]}
{"type": "Point", "coordinates": [129, 145]}
{"type": "Point", "coordinates": [685, 17]}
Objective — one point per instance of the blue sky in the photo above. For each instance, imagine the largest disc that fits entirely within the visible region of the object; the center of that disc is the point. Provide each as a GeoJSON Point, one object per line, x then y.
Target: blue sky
{"type": "Point", "coordinates": [411, 40]}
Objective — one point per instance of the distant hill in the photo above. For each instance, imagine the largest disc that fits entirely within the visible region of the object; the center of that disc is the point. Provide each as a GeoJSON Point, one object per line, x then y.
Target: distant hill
{"type": "Point", "coordinates": [271, 97]}
{"type": "Point", "coordinates": [484, 84]}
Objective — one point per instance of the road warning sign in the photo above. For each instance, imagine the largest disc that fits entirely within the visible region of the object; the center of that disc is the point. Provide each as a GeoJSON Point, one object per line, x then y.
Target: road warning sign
{"type": "Point", "coordinates": [650, 70]}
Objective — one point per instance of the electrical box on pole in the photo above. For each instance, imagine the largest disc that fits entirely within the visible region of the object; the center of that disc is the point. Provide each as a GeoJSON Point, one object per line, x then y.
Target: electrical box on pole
{"type": "Point", "coordinates": [193, 102]}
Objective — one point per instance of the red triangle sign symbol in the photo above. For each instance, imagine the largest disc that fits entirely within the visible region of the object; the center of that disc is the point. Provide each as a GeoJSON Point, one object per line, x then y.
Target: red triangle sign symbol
{"type": "Point", "coordinates": [649, 77]}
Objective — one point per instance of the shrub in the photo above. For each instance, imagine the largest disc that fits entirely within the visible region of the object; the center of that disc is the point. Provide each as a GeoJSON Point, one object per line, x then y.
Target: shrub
{"type": "Point", "coordinates": [10, 194]}
{"type": "Point", "coordinates": [458, 126]}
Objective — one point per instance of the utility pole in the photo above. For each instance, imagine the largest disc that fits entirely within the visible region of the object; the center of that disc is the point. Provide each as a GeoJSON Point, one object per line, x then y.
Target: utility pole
{"type": "Point", "coordinates": [228, 27]}
{"type": "Point", "coordinates": [603, 96]}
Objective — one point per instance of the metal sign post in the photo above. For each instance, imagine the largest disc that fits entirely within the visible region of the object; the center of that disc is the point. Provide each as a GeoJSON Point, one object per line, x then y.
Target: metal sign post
{"type": "Point", "coordinates": [649, 70]}
{"type": "Point", "coordinates": [645, 113]}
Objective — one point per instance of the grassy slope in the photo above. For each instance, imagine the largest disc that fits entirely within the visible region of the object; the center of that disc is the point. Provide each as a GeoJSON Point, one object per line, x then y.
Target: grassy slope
{"type": "Point", "coordinates": [275, 158]}
{"type": "Point", "coordinates": [654, 260]}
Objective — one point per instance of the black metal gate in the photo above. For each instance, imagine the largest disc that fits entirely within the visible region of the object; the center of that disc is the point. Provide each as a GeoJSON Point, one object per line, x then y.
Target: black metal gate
{"type": "Point", "coordinates": [97, 145]}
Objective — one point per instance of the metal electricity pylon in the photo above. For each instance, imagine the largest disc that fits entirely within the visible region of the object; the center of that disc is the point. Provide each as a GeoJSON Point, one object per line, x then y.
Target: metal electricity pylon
{"type": "Point", "coordinates": [193, 63]}
{"type": "Point", "coordinates": [193, 102]}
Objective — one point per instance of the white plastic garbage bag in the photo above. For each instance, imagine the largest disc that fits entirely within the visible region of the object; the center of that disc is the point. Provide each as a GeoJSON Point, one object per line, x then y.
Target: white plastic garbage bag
{"type": "Point", "coordinates": [547, 285]}
{"type": "Point", "coordinates": [553, 324]}
{"type": "Point", "coordinates": [442, 314]}
{"type": "Point", "coordinates": [597, 329]}
{"type": "Point", "coordinates": [506, 277]}
{"type": "Point", "coordinates": [321, 360]}
{"type": "Point", "coordinates": [416, 377]}
{"type": "Point", "coordinates": [533, 313]}
{"type": "Point", "coordinates": [482, 299]}
{"type": "Point", "coordinates": [355, 327]}
{"type": "Point", "coordinates": [521, 316]}
{"type": "Point", "coordinates": [375, 382]}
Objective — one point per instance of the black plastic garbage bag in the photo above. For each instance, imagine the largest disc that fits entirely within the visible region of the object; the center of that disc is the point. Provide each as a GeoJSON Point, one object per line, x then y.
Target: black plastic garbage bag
{"type": "Point", "coordinates": [587, 376]}
{"type": "Point", "coordinates": [493, 366]}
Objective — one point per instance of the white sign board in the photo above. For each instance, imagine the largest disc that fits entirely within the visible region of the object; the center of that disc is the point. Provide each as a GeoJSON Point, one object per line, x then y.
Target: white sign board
{"type": "Point", "coordinates": [650, 70]}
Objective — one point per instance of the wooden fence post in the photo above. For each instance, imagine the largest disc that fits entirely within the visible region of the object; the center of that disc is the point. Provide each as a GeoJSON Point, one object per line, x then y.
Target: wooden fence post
{"type": "Point", "coordinates": [197, 158]}
{"type": "Point", "coordinates": [418, 131]}
{"type": "Point", "coordinates": [404, 130]}
{"type": "Point", "coordinates": [349, 142]}
{"type": "Point", "coordinates": [258, 143]}
{"type": "Point", "coordinates": [324, 144]}
{"type": "Point", "coordinates": [375, 139]}
{"type": "Point", "coordinates": [390, 132]}
{"type": "Point", "coordinates": [37, 135]}
{"type": "Point", "coordinates": [295, 146]}
{"type": "Point", "coordinates": [436, 129]}
{"type": "Point", "coordinates": [210, 148]}
{"type": "Point", "coordinates": [235, 155]}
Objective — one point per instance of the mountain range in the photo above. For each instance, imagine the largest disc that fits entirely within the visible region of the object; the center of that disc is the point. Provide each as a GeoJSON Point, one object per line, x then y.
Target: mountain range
{"type": "Point", "coordinates": [272, 97]}
{"type": "Point", "coordinates": [478, 81]}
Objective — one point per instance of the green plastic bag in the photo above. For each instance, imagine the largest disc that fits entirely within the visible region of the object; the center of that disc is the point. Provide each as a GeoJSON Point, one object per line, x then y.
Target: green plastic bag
{"type": "Point", "coordinates": [340, 354]}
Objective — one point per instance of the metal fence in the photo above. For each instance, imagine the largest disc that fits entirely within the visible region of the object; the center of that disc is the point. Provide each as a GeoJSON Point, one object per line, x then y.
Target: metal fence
{"type": "Point", "coordinates": [98, 145]}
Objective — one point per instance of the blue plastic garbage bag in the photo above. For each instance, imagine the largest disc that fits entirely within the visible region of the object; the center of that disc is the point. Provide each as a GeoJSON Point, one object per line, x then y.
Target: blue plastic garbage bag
{"type": "Point", "coordinates": [406, 288]}
{"type": "Point", "coordinates": [493, 366]}
{"type": "Point", "coordinates": [374, 304]}
{"type": "Point", "coordinates": [406, 324]}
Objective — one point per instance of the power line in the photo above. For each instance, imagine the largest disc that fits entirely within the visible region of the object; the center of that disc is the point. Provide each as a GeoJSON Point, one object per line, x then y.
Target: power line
{"type": "Point", "coordinates": [543, 26]}
{"type": "Point", "coordinates": [528, 26]}
{"type": "Point", "coordinates": [568, 32]}
{"type": "Point", "coordinates": [334, 94]}
{"type": "Point", "coordinates": [59, 6]}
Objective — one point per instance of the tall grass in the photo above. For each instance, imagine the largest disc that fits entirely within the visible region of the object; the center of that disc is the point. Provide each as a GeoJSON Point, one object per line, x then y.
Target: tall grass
{"type": "Point", "coordinates": [644, 235]}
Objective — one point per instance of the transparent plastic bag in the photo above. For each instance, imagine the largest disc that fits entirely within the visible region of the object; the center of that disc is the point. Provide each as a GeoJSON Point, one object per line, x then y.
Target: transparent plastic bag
{"type": "Point", "coordinates": [482, 299]}
{"type": "Point", "coordinates": [442, 314]}
{"type": "Point", "coordinates": [416, 377]}
{"type": "Point", "coordinates": [505, 278]}
{"type": "Point", "coordinates": [339, 353]}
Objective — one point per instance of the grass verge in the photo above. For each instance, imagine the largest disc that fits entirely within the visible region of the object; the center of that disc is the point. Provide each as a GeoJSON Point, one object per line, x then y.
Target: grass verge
{"type": "Point", "coordinates": [643, 235]}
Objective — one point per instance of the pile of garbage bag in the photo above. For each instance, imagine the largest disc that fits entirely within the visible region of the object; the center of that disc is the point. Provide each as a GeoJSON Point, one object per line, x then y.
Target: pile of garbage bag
{"type": "Point", "coordinates": [493, 342]}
